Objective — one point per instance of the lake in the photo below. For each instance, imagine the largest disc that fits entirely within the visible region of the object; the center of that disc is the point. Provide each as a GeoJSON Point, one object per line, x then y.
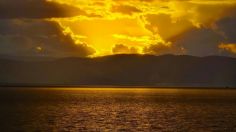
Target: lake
{"type": "Point", "coordinates": [117, 109]}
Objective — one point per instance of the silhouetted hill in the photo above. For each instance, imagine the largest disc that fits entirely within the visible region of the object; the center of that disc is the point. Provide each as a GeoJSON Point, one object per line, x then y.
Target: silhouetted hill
{"type": "Point", "coordinates": [122, 70]}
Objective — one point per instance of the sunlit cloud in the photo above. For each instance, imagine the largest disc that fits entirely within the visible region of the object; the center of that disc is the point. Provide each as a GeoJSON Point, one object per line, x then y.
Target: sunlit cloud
{"type": "Point", "coordinates": [140, 23]}
{"type": "Point", "coordinates": [228, 47]}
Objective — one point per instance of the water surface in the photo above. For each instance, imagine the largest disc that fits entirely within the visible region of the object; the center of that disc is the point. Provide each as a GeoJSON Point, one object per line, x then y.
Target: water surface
{"type": "Point", "coordinates": [126, 109]}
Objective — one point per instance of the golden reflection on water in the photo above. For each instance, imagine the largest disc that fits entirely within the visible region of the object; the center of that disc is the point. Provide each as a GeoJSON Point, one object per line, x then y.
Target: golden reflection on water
{"type": "Point", "coordinates": [117, 109]}
{"type": "Point", "coordinates": [141, 90]}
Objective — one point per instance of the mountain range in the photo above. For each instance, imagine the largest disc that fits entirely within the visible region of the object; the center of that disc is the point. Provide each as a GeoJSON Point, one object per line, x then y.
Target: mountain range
{"type": "Point", "coordinates": [120, 71]}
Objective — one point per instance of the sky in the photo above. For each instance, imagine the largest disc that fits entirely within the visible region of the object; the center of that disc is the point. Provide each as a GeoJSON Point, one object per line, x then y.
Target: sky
{"type": "Point", "coordinates": [90, 28]}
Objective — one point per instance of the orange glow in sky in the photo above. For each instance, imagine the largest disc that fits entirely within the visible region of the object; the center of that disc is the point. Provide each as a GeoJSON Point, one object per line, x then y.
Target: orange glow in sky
{"type": "Point", "coordinates": [131, 26]}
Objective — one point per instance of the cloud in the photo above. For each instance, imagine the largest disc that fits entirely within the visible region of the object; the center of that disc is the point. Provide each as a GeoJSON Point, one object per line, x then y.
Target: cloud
{"type": "Point", "coordinates": [103, 33]}
{"type": "Point", "coordinates": [26, 37]}
{"type": "Point", "coordinates": [161, 49]}
{"type": "Point", "coordinates": [167, 28]}
{"type": "Point", "coordinates": [164, 26]}
{"type": "Point", "coordinates": [37, 9]}
{"type": "Point", "coordinates": [228, 47]}
{"type": "Point", "coordinates": [209, 40]}
{"type": "Point", "coordinates": [199, 42]}
{"type": "Point", "coordinates": [226, 27]}
{"type": "Point", "coordinates": [195, 27]}
{"type": "Point", "coordinates": [123, 49]}
{"type": "Point", "coordinates": [125, 9]}
{"type": "Point", "coordinates": [193, 40]}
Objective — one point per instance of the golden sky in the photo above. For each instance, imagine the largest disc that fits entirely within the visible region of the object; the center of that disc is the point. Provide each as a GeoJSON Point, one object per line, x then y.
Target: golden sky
{"type": "Point", "coordinates": [133, 25]}
{"type": "Point", "coordinates": [140, 26]}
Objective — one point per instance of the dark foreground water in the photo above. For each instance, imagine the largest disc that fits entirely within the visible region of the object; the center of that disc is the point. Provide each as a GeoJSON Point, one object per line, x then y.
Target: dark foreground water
{"type": "Point", "coordinates": [117, 110]}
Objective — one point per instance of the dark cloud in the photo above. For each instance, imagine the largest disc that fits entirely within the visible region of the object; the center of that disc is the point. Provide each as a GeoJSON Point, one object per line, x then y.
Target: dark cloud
{"type": "Point", "coordinates": [161, 49]}
{"type": "Point", "coordinates": [206, 41]}
{"type": "Point", "coordinates": [123, 49]}
{"type": "Point", "coordinates": [37, 9]}
{"type": "Point", "coordinates": [125, 9]}
{"type": "Point", "coordinates": [203, 41]}
{"type": "Point", "coordinates": [200, 42]}
{"type": "Point", "coordinates": [227, 27]}
{"type": "Point", "coordinates": [38, 38]}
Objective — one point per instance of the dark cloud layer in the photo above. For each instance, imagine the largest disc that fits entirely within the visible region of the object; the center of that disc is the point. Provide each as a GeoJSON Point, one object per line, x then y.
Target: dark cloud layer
{"type": "Point", "coordinates": [38, 38]}
{"type": "Point", "coordinates": [205, 41]}
{"type": "Point", "coordinates": [36, 9]}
